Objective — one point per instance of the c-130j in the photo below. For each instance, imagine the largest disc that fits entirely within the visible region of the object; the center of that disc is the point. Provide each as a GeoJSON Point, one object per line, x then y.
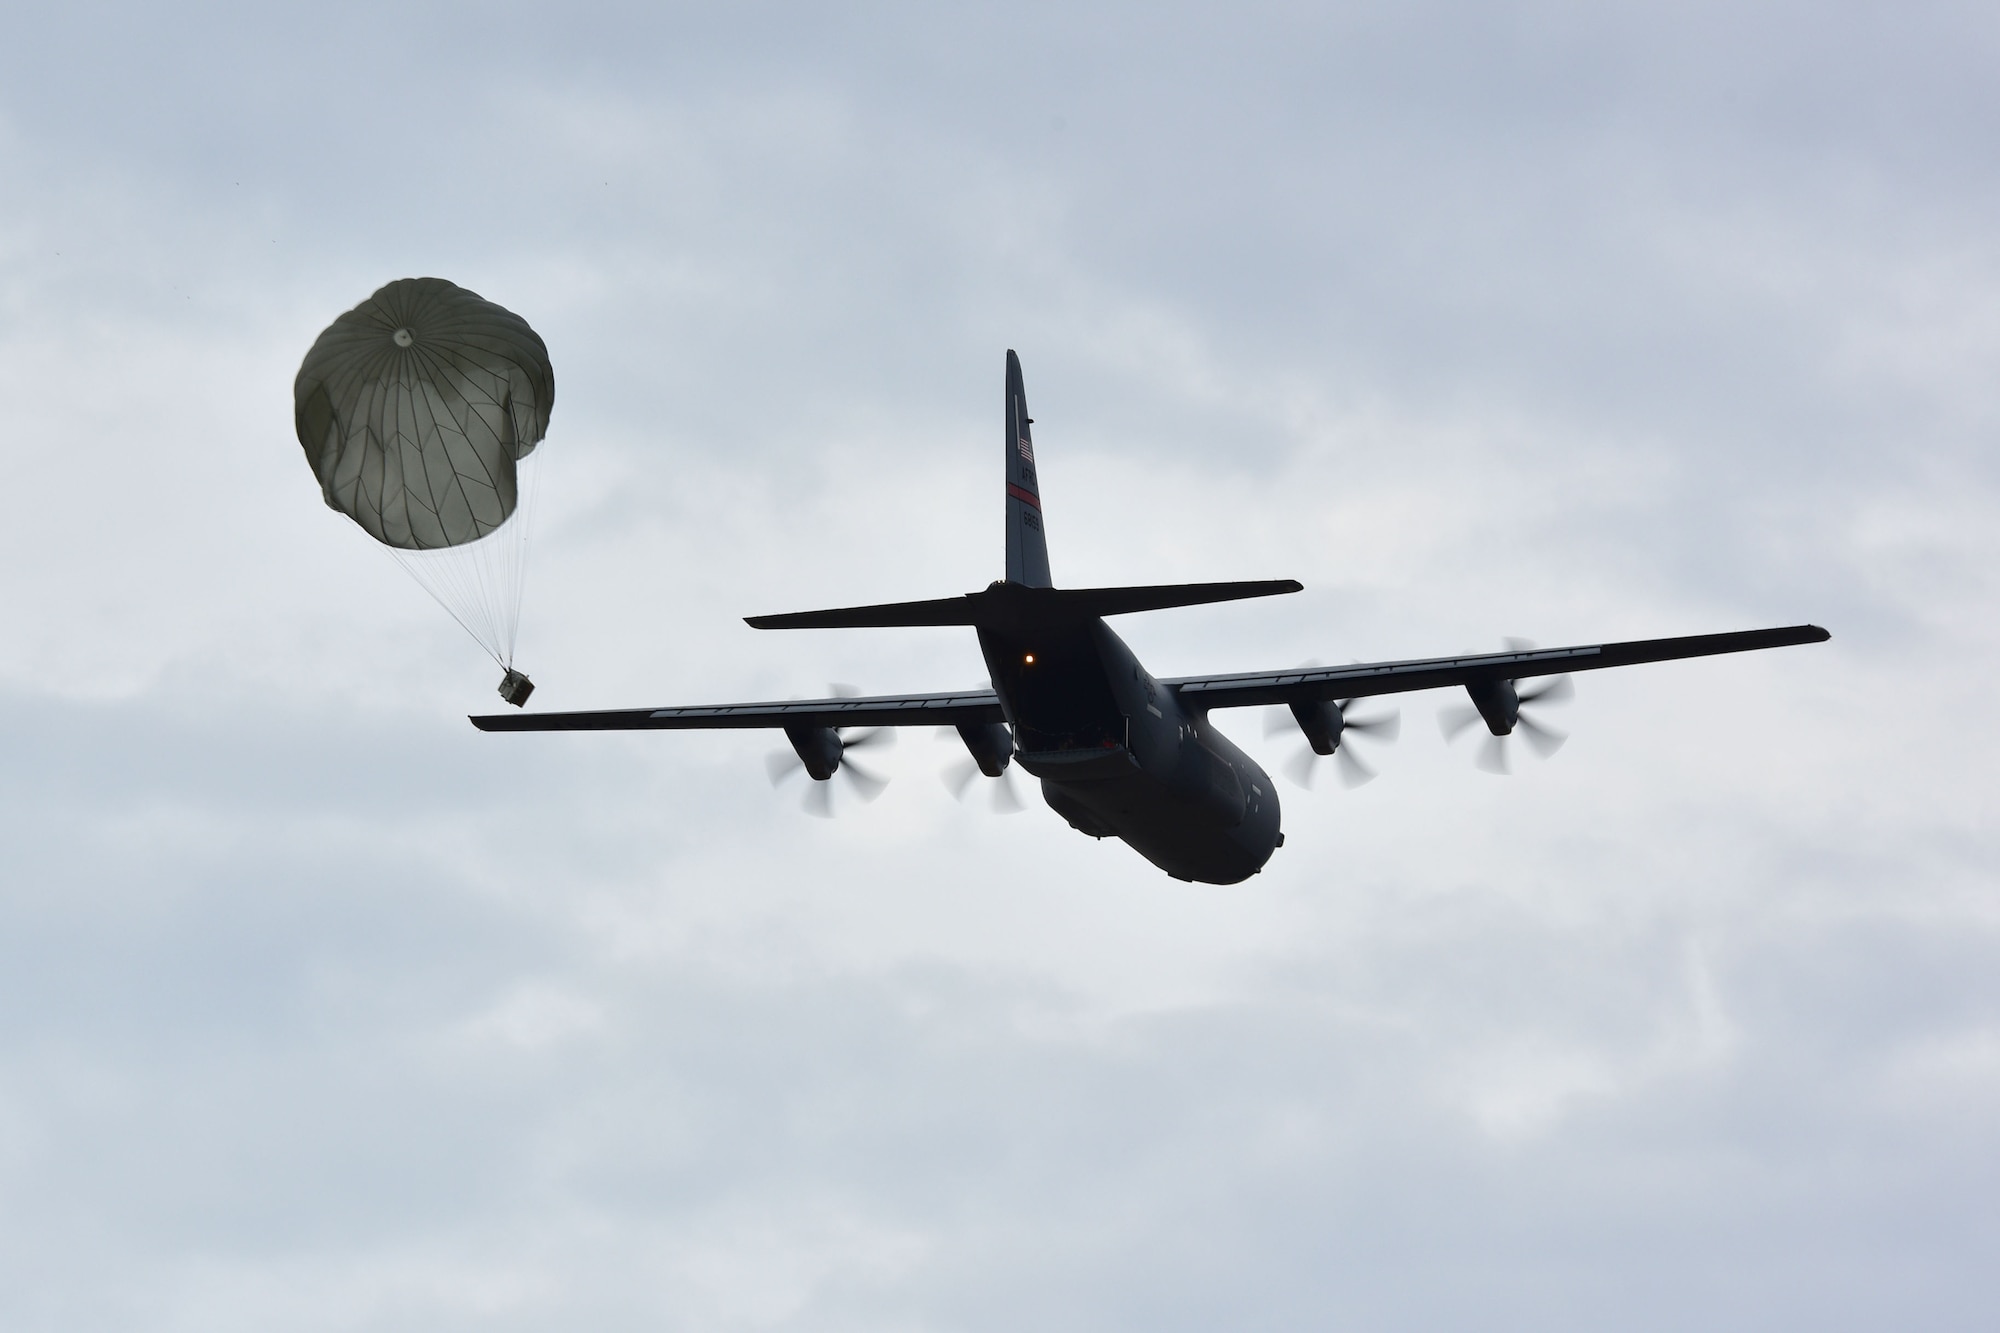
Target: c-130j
{"type": "Point", "coordinates": [1121, 753]}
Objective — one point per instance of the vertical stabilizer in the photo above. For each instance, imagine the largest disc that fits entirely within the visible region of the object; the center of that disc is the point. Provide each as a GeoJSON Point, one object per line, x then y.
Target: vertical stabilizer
{"type": "Point", "coordinates": [1027, 549]}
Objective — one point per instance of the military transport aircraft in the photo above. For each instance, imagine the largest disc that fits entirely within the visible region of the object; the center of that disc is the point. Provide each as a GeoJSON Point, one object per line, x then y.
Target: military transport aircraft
{"type": "Point", "coordinates": [1119, 752]}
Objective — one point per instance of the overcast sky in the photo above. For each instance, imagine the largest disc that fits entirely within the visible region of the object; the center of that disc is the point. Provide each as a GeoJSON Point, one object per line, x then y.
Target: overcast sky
{"type": "Point", "coordinates": [320, 1010]}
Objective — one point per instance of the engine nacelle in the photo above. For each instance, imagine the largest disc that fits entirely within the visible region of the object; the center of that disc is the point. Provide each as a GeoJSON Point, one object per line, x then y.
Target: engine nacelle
{"type": "Point", "coordinates": [1498, 704]}
{"type": "Point", "coordinates": [991, 746]}
{"type": "Point", "coordinates": [1321, 721]}
{"type": "Point", "coordinates": [818, 749]}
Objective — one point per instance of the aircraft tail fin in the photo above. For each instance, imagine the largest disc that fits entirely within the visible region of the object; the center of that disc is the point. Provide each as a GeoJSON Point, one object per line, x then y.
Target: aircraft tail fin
{"type": "Point", "coordinates": [1027, 546]}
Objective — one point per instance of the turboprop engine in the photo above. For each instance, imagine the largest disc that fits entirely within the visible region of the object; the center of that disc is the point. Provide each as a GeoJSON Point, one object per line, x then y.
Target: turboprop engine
{"type": "Point", "coordinates": [822, 752]}
{"type": "Point", "coordinates": [819, 750]}
{"type": "Point", "coordinates": [1327, 727]}
{"type": "Point", "coordinates": [991, 746]}
{"type": "Point", "coordinates": [1498, 702]}
{"type": "Point", "coordinates": [1322, 723]}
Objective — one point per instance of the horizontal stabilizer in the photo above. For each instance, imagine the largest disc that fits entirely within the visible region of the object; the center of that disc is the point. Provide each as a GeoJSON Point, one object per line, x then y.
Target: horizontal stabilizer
{"type": "Point", "coordinates": [1012, 603]}
{"type": "Point", "coordinates": [1160, 596]}
{"type": "Point", "coordinates": [941, 611]}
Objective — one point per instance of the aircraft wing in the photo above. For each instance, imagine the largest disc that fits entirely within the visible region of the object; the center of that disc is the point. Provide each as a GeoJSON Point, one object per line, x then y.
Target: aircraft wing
{"type": "Point", "coordinates": [1318, 683]}
{"type": "Point", "coordinates": [964, 708]}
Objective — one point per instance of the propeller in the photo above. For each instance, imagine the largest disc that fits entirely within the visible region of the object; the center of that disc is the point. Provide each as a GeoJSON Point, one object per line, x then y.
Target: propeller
{"type": "Point", "coordinates": [1325, 726]}
{"type": "Point", "coordinates": [1504, 698]}
{"type": "Point", "coordinates": [1302, 767]}
{"type": "Point", "coordinates": [834, 744]}
{"type": "Point", "coordinates": [991, 751]}
{"type": "Point", "coordinates": [958, 779]}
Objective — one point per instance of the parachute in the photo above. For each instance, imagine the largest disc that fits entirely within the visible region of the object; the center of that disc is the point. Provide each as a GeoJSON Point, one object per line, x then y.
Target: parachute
{"type": "Point", "coordinates": [416, 410]}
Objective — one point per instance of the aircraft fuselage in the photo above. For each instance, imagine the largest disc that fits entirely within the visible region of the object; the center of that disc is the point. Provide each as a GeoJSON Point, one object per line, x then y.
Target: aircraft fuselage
{"type": "Point", "coordinates": [1118, 756]}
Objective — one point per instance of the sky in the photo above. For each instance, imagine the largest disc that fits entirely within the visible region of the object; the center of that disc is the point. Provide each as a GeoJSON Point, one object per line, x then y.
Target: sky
{"type": "Point", "coordinates": [320, 1010]}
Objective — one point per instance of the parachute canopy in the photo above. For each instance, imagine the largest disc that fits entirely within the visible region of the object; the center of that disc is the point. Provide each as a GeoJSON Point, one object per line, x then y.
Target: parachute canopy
{"type": "Point", "coordinates": [415, 407]}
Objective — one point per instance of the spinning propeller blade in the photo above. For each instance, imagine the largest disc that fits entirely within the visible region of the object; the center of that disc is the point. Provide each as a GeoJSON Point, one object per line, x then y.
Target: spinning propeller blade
{"type": "Point", "coordinates": [1455, 719]}
{"type": "Point", "coordinates": [959, 778]}
{"type": "Point", "coordinates": [1493, 754]}
{"type": "Point", "coordinates": [866, 785]}
{"type": "Point", "coordinates": [1302, 767]}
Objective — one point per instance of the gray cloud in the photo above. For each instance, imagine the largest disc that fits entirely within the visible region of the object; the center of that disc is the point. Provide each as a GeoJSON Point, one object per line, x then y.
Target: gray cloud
{"type": "Point", "coordinates": [320, 1010]}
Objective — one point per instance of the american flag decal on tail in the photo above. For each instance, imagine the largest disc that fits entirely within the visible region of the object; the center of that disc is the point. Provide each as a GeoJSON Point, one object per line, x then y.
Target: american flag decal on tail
{"type": "Point", "coordinates": [1027, 450]}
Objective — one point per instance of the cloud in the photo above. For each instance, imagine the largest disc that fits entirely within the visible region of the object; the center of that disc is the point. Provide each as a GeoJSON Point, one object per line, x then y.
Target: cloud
{"type": "Point", "coordinates": [319, 1009]}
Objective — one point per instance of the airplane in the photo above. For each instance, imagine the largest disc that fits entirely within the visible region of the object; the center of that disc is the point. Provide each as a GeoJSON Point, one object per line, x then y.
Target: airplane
{"type": "Point", "coordinates": [1119, 752]}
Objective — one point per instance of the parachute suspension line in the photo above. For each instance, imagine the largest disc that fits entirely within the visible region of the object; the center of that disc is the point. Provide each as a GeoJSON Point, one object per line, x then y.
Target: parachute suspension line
{"type": "Point", "coordinates": [446, 587]}
{"type": "Point", "coordinates": [517, 574]}
{"type": "Point", "coordinates": [481, 583]}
